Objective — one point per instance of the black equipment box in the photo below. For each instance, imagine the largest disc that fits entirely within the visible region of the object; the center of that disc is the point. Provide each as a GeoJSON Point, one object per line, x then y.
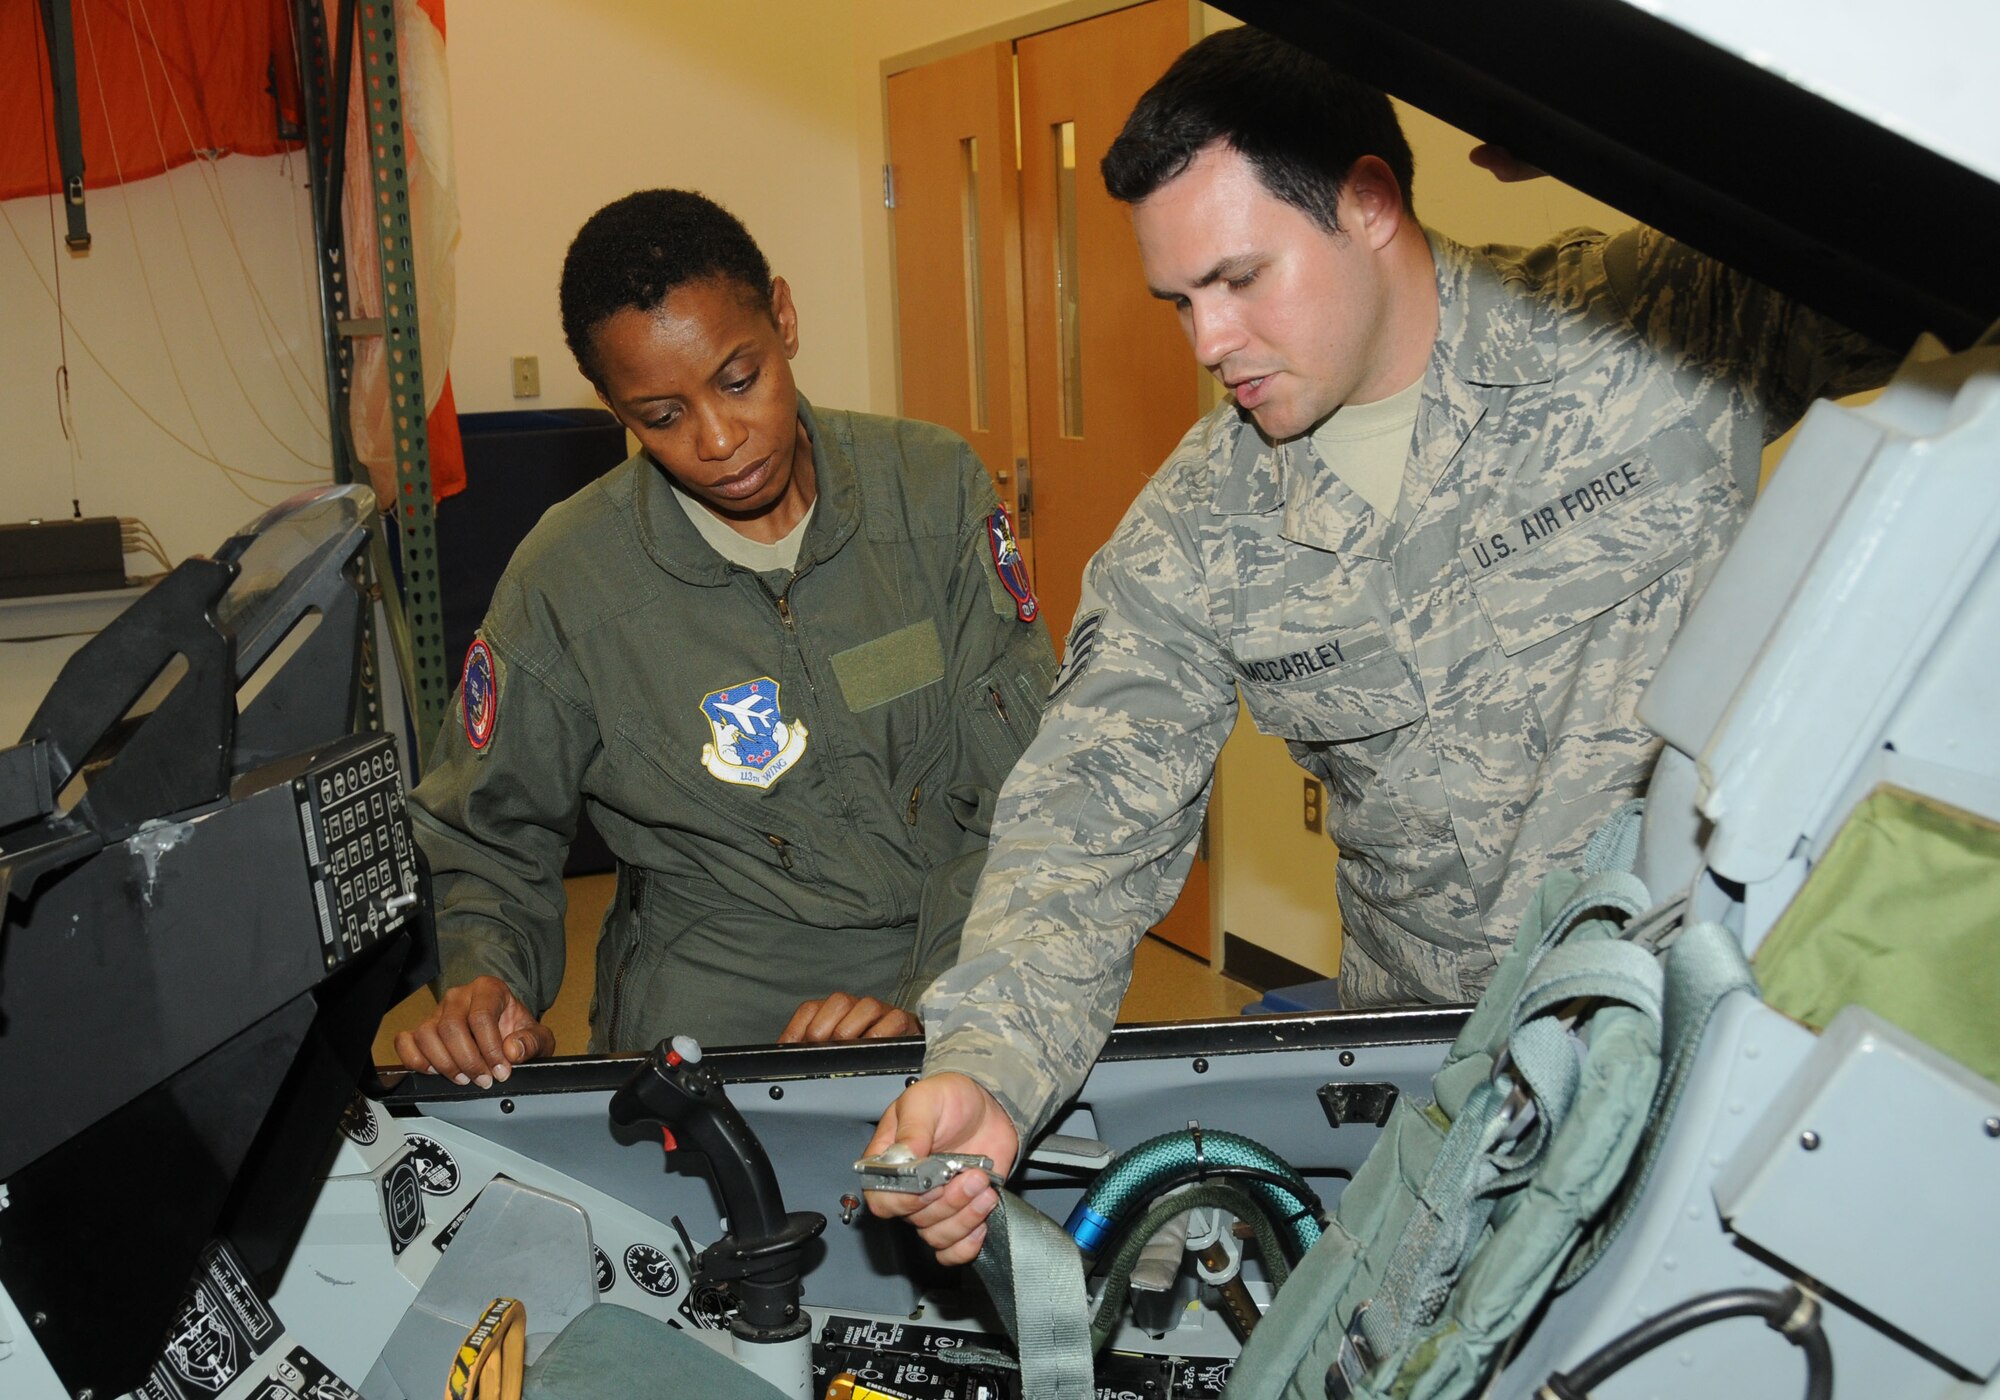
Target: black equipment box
{"type": "Point", "coordinates": [61, 556]}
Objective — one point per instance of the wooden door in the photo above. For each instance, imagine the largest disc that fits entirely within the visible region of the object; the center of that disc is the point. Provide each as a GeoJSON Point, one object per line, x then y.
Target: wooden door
{"type": "Point", "coordinates": [1101, 384]}
{"type": "Point", "coordinates": [957, 228]}
{"type": "Point", "coordinates": [1111, 384]}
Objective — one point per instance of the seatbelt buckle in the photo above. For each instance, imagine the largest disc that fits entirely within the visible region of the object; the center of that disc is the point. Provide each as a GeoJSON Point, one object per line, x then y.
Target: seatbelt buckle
{"type": "Point", "coordinates": [1354, 1363]}
{"type": "Point", "coordinates": [896, 1168]}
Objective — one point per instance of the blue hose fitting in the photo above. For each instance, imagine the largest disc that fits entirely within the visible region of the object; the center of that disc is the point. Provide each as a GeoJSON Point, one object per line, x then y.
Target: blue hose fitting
{"type": "Point", "coordinates": [1087, 1227]}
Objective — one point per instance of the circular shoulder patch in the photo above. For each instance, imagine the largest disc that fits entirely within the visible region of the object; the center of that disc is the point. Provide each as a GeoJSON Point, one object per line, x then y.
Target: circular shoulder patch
{"type": "Point", "coordinates": [479, 694]}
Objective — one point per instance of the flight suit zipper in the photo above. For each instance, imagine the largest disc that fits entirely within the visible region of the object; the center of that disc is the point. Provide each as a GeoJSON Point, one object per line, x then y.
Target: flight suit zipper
{"type": "Point", "coordinates": [917, 788]}
{"type": "Point", "coordinates": [788, 620]}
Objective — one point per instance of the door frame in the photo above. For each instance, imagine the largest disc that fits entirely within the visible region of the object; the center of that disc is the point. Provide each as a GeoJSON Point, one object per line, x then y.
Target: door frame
{"type": "Point", "coordinates": [1020, 27]}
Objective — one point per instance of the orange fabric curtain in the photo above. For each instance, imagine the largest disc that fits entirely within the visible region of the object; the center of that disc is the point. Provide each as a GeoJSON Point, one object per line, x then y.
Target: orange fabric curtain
{"type": "Point", "coordinates": [376, 404]}
{"type": "Point", "coordinates": [162, 82]}
{"type": "Point", "coordinates": [447, 447]}
{"type": "Point", "coordinates": [158, 82]}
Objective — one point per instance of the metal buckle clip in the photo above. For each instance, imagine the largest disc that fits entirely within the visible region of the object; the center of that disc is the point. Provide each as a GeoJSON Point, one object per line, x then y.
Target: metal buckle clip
{"type": "Point", "coordinates": [1352, 1366]}
{"type": "Point", "coordinates": [896, 1168]}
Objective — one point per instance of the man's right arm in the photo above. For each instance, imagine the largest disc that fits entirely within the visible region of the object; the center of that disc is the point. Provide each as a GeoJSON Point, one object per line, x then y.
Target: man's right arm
{"type": "Point", "coordinates": [1096, 825]}
{"type": "Point", "coordinates": [1094, 834]}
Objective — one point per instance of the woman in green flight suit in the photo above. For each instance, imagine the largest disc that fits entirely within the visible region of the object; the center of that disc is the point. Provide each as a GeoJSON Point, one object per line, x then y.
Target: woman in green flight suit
{"type": "Point", "coordinates": [784, 655]}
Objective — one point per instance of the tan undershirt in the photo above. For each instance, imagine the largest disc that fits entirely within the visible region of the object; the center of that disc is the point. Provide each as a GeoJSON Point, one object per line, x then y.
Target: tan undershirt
{"type": "Point", "coordinates": [1368, 444]}
{"type": "Point", "coordinates": [754, 555]}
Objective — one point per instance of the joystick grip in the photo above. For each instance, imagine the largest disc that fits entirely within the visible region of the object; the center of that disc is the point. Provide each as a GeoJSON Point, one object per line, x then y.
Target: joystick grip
{"type": "Point", "coordinates": [673, 1090]}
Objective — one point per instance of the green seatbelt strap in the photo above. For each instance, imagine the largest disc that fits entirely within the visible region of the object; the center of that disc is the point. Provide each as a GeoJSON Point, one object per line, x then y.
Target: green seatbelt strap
{"type": "Point", "coordinates": [1034, 1275]}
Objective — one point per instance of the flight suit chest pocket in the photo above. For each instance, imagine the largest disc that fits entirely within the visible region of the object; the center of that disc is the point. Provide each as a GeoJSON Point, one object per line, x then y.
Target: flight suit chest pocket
{"type": "Point", "coordinates": [1552, 554]}
{"type": "Point", "coordinates": [1342, 686]}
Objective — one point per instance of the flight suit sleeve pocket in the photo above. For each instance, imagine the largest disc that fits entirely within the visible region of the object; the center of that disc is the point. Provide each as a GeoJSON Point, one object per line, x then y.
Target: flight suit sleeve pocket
{"type": "Point", "coordinates": [1004, 709]}
{"type": "Point", "coordinates": [1542, 567]}
{"type": "Point", "coordinates": [1347, 688]}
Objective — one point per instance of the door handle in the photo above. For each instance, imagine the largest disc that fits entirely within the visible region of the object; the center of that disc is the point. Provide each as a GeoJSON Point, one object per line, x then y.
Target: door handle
{"type": "Point", "coordinates": [1024, 501]}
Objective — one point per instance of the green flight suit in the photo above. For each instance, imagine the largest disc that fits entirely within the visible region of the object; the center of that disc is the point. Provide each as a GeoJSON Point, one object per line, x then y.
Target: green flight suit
{"type": "Point", "coordinates": [896, 683]}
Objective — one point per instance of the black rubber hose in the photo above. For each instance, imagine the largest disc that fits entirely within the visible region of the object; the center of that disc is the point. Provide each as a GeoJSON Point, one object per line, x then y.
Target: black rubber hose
{"type": "Point", "coordinates": [1118, 1277]}
{"type": "Point", "coordinates": [1776, 1308]}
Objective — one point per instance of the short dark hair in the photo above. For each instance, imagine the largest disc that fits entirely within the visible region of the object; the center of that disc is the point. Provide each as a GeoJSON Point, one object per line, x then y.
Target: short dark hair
{"type": "Point", "coordinates": [1300, 122]}
{"type": "Point", "coordinates": [634, 251]}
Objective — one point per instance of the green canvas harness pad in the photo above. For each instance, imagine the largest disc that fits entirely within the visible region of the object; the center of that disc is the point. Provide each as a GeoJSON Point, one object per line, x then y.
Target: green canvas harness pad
{"type": "Point", "coordinates": [1898, 917]}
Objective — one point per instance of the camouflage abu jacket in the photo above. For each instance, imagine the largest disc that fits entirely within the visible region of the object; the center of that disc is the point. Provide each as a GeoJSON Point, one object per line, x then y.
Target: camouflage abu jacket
{"type": "Point", "coordinates": [797, 776]}
{"type": "Point", "coordinates": [1463, 677]}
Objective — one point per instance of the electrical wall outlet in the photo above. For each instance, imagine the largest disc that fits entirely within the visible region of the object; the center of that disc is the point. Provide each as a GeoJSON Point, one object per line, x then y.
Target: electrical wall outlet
{"type": "Point", "coordinates": [527, 377]}
{"type": "Point", "coordinates": [1315, 806]}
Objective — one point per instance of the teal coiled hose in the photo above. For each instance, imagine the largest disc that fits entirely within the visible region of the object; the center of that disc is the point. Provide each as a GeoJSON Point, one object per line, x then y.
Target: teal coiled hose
{"type": "Point", "coordinates": [1196, 1154]}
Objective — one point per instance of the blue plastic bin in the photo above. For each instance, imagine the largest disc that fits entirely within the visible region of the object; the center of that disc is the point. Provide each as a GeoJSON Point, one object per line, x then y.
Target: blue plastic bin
{"type": "Point", "coordinates": [1323, 995]}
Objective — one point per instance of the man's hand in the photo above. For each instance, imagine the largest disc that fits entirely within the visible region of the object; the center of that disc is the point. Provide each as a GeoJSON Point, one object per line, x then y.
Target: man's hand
{"type": "Point", "coordinates": [1503, 164]}
{"type": "Point", "coordinates": [947, 1113]}
{"type": "Point", "coordinates": [838, 1016]}
{"type": "Point", "coordinates": [478, 1033]}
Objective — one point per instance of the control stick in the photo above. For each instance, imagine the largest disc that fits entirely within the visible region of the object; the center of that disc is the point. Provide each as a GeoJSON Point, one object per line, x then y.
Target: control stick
{"type": "Point", "coordinates": [759, 1260]}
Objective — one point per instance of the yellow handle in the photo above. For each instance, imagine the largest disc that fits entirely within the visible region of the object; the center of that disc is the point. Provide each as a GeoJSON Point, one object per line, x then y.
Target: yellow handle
{"type": "Point", "coordinates": [845, 1386]}
{"type": "Point", "coordinates": [491, 1360]}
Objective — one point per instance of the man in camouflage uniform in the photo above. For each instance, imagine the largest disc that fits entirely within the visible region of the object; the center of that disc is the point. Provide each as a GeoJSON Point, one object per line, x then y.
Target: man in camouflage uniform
{"type": "Point", "coordinates": [1459, 662]}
